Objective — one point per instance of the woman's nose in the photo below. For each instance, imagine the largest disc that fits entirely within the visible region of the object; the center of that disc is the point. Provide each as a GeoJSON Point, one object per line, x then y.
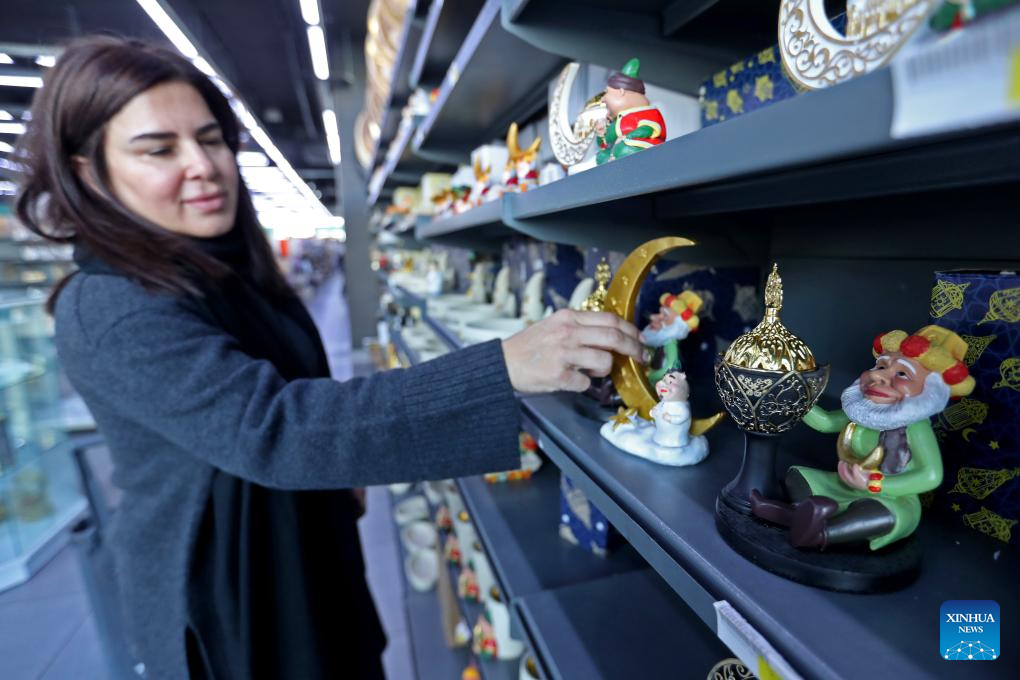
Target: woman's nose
{"type": "Point", "coordinates": [198, 163]}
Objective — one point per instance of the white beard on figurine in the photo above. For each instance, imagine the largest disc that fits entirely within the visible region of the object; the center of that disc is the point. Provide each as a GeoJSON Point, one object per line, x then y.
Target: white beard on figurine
{"type": "Point", "coordinates": [666, 438]}
{"type": "Point", "coordinates": [677, 330]}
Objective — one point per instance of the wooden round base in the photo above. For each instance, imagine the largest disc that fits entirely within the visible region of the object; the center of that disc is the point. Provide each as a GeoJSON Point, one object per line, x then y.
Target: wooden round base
{"type": "Point", "coordinates": [850, 569]}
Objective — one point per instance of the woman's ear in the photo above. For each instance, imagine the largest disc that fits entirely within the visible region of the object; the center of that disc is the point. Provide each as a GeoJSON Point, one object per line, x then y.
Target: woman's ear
{"type": "Point", "coordinates": [83, 169]}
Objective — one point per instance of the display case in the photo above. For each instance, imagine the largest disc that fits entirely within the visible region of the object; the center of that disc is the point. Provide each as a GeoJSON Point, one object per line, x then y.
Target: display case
{"type": "Point", "coordinates": [39, 491]}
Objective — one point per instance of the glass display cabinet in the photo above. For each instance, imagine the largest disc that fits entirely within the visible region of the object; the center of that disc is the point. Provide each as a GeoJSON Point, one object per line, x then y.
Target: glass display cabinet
{"type": "Point", "coordinates": [39, 489]}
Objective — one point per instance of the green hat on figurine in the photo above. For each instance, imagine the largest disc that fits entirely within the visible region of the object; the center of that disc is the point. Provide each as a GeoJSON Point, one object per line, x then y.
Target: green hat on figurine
{"type": "Point", "coordinates": [627, 77]}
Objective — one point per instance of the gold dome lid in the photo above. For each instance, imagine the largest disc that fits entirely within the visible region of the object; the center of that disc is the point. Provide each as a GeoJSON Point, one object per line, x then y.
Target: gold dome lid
{"type": "Point", "coordinates": [770, 346]}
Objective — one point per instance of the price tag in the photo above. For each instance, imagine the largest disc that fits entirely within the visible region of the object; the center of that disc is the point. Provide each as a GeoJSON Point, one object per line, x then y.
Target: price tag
{"type": "Point", "coordinates": [969, 78]}
{"type": "Point", "coordinates": [750, 646]}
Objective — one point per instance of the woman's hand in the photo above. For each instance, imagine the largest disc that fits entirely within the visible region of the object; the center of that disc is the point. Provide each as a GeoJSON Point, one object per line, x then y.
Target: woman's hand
{"type": "Point", "coordinates": [564, 351]}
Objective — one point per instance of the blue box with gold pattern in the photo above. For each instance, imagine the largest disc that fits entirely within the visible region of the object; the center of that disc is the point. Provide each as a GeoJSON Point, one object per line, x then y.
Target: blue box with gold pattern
{"type": "Point", "coordinates": [979, 435]}
{"type": "Point", "coordinates": [750, 84]}
{"type": "Point", "coordinates": [582, 523]}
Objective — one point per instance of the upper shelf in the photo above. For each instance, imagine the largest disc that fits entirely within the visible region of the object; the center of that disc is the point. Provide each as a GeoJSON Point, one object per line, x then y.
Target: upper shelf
{"type": "Point", "coordinates": [495, 79]}
{"type": "Point", "coordinates": [446, 26]}
{"type": "Point", "coordinates": [400, 85]}
{"type": "Point", "coordinates": [679, 42]}
{"type": "Point", "coordinates": [480, 228]}
{"type": "Point", "coordinates": [668, 516]}
{"type": "Point", "coordinates": [822, 147]}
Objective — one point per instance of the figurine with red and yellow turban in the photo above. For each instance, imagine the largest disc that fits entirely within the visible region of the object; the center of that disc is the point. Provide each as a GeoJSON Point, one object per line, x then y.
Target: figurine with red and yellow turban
{"type": "Point", "coordinates": [888, 454]}
{"type": "Point", "coordinates": [676, 319]}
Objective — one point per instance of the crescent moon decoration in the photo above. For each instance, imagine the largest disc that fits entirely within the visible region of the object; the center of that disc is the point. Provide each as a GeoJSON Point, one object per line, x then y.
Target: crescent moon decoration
{"type": "Point", "coordinates": [816, 55]}
{"type": "Point", "coordinates": [967, 431]}
{"type": "Point", "coordinates": [571, 141]}
{"type": "Point", "coordinates": [628, 375]}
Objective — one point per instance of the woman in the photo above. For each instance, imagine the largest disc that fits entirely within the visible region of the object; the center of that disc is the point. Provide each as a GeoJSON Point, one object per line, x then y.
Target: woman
{"type": "Point", "coordinates": [236, 543]}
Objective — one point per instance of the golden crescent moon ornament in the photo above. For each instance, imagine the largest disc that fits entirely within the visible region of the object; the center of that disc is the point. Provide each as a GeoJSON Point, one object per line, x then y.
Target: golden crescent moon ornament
{"type": "Point", "coordinates": [628, 375]}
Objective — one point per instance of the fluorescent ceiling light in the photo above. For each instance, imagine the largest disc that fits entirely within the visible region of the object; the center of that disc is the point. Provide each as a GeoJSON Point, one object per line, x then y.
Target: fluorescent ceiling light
{"type": "Point", "coordinates": [6, 148]}
{"type": "Point", "coordinates": [12, 128]}
{"type": "Point", "coordinates": [46, 60]}
{"type": "Point", "coordinates": [5, 58]}
{"type": "Point", "coordinates": [317, 45]}
{"type": "Point", "coordinates": [310, 12]}
{"type": "Point", "coordinates": [205, 67]}
{"type": "Point", "coordinates": [332, 135]}
{"type": "Point", "coordinates": [21, 81]}
{"type": "Point", "coordinates": [252, 159]}
{"type": "Point", "coordinates": [5, 115]}
{"type": "Point", "coordinates": [169, 28]}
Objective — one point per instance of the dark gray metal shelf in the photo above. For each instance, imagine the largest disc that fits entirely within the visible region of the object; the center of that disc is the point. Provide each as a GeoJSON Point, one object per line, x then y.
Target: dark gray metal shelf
{"type": "Point", "coordinates": [624, 626]}
{"type": "Point", "coordinates": [495, 79]}
{"type": "Point", "coordinates": [518, 525]}
{"type": "Point", "coordinates": [491, 669]}
{"type": "Point", "coordinates": [400, 86]}
{"type": "Point", "coordinates": [679, 42]}
{"type": "Point", "coordinates": [446, 26]}
{"type": "Point", "coordinates": [410, 356]}
{"type": "Point", "coordinates": [667, 514]}
{"type": "Point", "coordinates": [780, 157]}
{"type": "Point", "coordinates": [480, 228]}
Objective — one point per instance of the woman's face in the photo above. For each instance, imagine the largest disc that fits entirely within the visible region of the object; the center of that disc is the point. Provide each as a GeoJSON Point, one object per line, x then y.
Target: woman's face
{"type": "Point", "coordinates": [168, 163]}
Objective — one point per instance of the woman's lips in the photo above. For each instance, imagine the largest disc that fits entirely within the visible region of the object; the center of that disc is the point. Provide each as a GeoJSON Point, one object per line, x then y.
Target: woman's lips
{"type": "Point", "coordinates": [209, 203]}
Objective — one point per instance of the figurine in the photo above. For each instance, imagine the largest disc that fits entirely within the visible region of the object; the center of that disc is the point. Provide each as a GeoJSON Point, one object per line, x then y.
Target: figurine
{"type": "Point", "coordinates": [444, 522]}
{"type": "Point", "coordinates": [571, 142]}
{"type": "Point", "coordinates": [520, 172]}
{"type": "Point", "coordinates": [530, 462]}
{"type": "Point", "coordinates": [492, 638]}
{"type": "Point", "coordinates": [451, 550]}
{"type": "Point", "coordinates": [677, 318]}
{"type": "Point", "coordinates": [482, 185]}
{"type": "Point", "coordinates": [666, 438]}
{"type": "Point", "coordinates": [467, 585]}
{"type": "Point", "coordinates": [955, 14]}
{"type": "Point", "coordinates": [633, 123]}
{"type": "Point", "coordinates": [888, 453]}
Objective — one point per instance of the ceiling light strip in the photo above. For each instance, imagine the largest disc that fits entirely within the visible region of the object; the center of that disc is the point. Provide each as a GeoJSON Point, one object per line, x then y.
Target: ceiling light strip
{"type": "Point", "coordinates": [21, 81]}
{"type": "Point", "coordinates": [310, 12]}
{"type": "Point", "coordinates": [317, 46]}
{"type": "Point", "coordinates": [332, 135]}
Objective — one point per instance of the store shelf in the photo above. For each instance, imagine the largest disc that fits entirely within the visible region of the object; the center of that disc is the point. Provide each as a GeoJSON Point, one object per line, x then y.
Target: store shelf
{"type": "Point", "coordinates": [409, 356]}
{"type": "Point", "coordinates": [433, 660]}
{"type": "Point", "coordinates": [679, 42]}
{"type": "Point", "coordinates": [823, 147]}
{"type": "Point", "coordinates": [480, 228]}
{"type": "Point", "coordinates": [667, 514]}
{"type": "Point", "coordinates": [446, 26]}
{"type": "Point", "coordinates": [491, 669]}
{"type": "Point", "coordinates": [624, 626]}
{"type": "Point", "coordinates": [518, 525]}
{"type": "Point", "coordinates": [400, 85]}
{"type": "Point", "coordinates": [496, 78]}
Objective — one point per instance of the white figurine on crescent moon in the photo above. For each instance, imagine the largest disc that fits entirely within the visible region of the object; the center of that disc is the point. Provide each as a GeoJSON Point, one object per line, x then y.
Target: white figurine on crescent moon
{"type": "Point", "coordinates": [666, 438]}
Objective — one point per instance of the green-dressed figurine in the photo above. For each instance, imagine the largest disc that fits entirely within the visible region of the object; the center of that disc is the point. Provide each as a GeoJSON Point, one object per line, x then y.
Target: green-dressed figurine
{"type": "Point", "coordinates": [633, 123]}
{"type": "Point", "coordinates": [677, 318]}
{"type": "Point", "coordinates": [888, 454]}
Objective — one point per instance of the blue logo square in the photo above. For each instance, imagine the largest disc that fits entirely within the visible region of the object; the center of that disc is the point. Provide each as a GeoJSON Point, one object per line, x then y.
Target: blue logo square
{"type": "Point", "coordinates": [969, 630]}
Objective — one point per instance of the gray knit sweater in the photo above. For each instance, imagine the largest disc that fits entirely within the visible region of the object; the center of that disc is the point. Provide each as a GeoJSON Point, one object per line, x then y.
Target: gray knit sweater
{"type": "Point", "coordinates": [176, 399]}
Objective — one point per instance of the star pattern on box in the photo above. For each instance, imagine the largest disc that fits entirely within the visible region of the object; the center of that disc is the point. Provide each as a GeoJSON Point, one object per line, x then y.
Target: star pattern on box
{"type": "Point", "coordinates": [970, 651]}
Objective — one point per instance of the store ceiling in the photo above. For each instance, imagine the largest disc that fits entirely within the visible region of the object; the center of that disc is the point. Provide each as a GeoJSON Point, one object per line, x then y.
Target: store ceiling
{"type": "Point", "coordinates": [258, 45]}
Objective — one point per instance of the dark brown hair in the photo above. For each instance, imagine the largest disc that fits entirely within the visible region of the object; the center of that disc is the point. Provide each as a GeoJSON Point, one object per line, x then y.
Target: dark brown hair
{"type": "Point", "coordinates": [92, 80]}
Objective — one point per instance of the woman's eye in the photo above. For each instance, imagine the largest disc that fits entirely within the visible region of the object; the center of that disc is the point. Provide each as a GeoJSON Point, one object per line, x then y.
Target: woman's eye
{"type": "Point", "coordinates": [215, 141]}
{"type": "Point", "coordinates": [161, 151]}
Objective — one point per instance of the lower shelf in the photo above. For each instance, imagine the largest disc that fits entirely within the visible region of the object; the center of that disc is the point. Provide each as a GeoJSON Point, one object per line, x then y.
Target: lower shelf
{"type": "Point", "coordinates": [625, 626]}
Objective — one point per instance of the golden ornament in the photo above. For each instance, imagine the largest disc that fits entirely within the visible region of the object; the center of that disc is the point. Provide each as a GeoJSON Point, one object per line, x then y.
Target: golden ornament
{"type": "Point", "coordinates": [622, 417]}
{"type": "Point", "coordinates": [979, 483]}
{"type": "Point", "coordinates": [1003, 305]}
{"type": "Point", "coordinates": [735, 101]}
{"type": "Point", "coordinates": [987, 522]}
{"type": "Point", "coordinates": [596, 302]}
{"type": "Point", "coordinates": [770, 346]}
{"type": "Point", "coordinates": [945, 297]}
{"type": "Point", "coordinates": [976, 346]}
{"type": "Point", "coordinates": [1009, 371]}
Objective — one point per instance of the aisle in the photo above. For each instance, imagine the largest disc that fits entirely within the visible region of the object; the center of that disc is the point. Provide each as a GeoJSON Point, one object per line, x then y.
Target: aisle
{"type": "Point", "coordinates": [329, 311]}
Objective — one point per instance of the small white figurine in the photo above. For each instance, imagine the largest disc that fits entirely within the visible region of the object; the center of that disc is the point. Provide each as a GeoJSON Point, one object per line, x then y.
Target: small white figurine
{"type": "Point", "coordinates": [666, 438]}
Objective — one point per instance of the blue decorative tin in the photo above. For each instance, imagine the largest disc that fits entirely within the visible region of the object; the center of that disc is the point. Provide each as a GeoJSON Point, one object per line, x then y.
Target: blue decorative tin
{"type": "Point", "coordinates": [582, 523]}
{"type": "Point", "coordinates": [980, 434]}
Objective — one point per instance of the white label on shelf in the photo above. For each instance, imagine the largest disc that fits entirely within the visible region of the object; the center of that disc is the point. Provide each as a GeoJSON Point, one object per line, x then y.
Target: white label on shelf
{"type": "Point", "coordinates": [749, 646]}
{"type": "Point", "coordinates": [969, 78]}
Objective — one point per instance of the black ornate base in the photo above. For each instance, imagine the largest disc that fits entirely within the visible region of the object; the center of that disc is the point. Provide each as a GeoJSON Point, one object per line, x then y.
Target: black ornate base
{"type": "Point", "coordinates": [841, 568]}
